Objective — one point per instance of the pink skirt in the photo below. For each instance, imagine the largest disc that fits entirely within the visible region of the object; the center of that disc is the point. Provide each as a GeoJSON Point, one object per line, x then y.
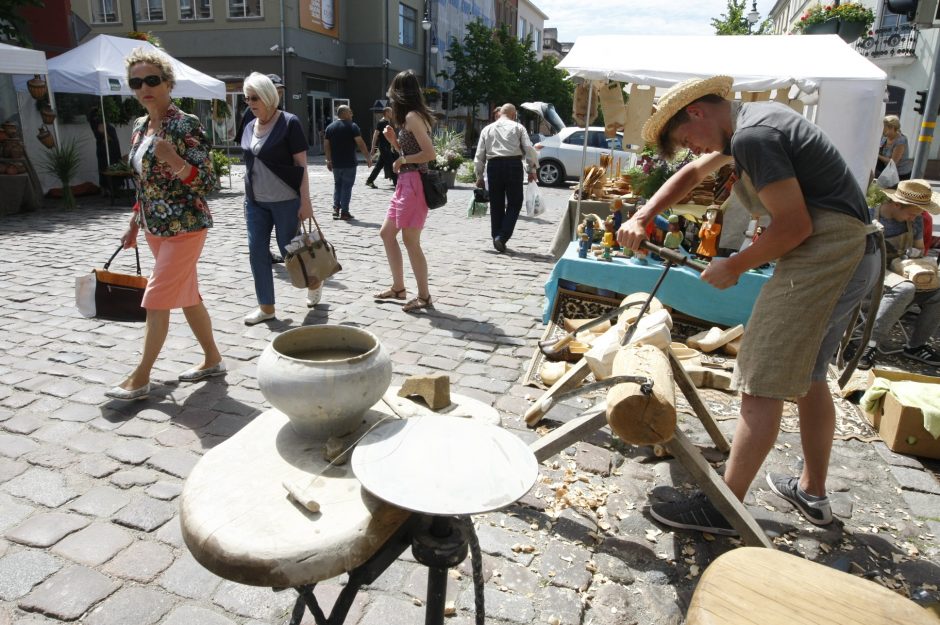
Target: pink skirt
{"type": "Point", "coordinates": [173, 283]}
{"type": "Point", "coordinates": [407, 209]}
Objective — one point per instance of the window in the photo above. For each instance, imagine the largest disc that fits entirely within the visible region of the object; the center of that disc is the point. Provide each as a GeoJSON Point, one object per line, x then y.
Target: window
{"type": "Point", "coordinates": [538, 39]}
{"type": "Point", "coordinates": [576, 138]}
{"type": "Point", "coordinates": [407, 26]}
{"type": "Point", "coordinates": [195, 10]}
{"type": "Point", "coordinates": [150, 11]}
{"type": "Point", "coordinates": [244, 8]}
{"type": "Point", "coordinates": [520, 29]}
{"type": "Point", "coordinates": [104, 12]}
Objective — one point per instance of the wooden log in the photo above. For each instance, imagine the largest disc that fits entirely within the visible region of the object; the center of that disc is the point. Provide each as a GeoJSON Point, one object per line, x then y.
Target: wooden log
{"type": "Point", "coordinates": [635, 417]}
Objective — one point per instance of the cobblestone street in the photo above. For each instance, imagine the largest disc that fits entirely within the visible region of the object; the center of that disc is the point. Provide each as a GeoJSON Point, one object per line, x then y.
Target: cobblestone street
{"type": "Point", "coordinates": [89, 487]}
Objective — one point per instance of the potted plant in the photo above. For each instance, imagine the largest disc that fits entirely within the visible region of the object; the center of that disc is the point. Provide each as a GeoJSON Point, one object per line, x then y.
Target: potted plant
{"type": "Point", "coordinates": [431, 95]}
{"type": "Point", "coordinates": [63, 162]}
{"type": "Point", "coordinates": [849, 20]}
{"type": "Point", "coordinates": [449, 146]}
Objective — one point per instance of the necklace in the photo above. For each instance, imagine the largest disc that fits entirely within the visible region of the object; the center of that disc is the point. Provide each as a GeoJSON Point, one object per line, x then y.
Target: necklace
{"type": "Point", "coordinates": [258, 124]}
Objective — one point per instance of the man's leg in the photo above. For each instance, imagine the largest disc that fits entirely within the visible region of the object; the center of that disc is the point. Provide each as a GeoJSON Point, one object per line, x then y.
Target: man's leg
{"type": "Point", "coordinates": [927, 322]}
{"type": "Point", "coordinates": [370, 181]}
{"type": "Point", "coordinates": [495, 177]}
{"type": "Point", "coordinates": [894, 302]}
{"type": "Point", "coordinates": [337, 191]}
{"type": "Point", "coordinates": [514, 192]}
{"type": "Point", "coordinates": [349, 178]}
{"type": "Point", "coordinates": [754, 437]}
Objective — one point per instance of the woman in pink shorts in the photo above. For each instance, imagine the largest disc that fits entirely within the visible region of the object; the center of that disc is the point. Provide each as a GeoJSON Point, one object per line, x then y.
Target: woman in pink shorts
{"type": "Point", "coordinates": [408, 210]}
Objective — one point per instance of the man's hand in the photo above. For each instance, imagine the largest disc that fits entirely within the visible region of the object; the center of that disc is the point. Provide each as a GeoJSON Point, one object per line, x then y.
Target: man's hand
{"type": "Point", "coordinates": [631, 234]}
{"type": "Point", "coordinates": [721, 273]}
{"type": "Point", "coordinates": [329, 165]}
{"type": "Point", "coordinates": [480, 183]}
{"type": "Point", "coordinates": [532, 176]}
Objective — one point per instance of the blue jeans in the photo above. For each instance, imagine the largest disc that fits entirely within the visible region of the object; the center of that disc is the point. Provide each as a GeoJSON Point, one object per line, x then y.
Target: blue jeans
{"type": "Point", "coordinates": [260, 218]}
{"type": "Point", "coordinates": [343, 179]}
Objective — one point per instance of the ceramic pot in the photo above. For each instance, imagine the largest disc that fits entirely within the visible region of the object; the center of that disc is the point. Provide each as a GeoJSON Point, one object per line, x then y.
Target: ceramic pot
{"type": "Point", "coordinates": [48, 115]}
{"type": "Point", "coordinates": [45, 137]}
{"type": "Point", "coordinates": [14, 149]}
{"type": "Point", "coordinates": [37, 87]}
{"type": "Point", "coordinates": [450, 178]}
{"type": "Point", "coordinates": [324, 378]}
{"type": "Point", "coordinates": [10, 129]}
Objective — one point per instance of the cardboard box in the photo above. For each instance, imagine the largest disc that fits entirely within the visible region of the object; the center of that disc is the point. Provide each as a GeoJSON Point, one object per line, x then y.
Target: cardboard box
{"type": "Point", "coordinates": [901, 427]}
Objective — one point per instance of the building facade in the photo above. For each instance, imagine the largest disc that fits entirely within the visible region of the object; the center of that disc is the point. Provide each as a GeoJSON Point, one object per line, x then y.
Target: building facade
{"type": "Point", "coordinates": [531, 23]}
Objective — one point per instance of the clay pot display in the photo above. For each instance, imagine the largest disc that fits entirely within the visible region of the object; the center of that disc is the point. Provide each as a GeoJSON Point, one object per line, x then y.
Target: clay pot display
{"type": "Point", "coordinates": [37, 87]}
{"type": "Point", "coordinates": [13, 149]}
{"type": "Point", "coordinates": [48, 115]}
{"type": "Point", "coordinates": [19, 167]}
{"type": "Point", "coordinates": [45, 137]}
{"type": "Point", "coordinates": [10, 129]}
{"type": "Point", "coordinates": [324, 378]}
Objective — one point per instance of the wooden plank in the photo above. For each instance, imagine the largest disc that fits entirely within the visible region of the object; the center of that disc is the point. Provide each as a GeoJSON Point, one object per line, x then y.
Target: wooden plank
{"type": "Point", "coordinates": [698, 406]}
{"type": "Point", "coordinates": [565, 383]}
{"type": "Point", "coordinates": [717, 491]}
{"type": "Point", "coordinates": [573, 431]}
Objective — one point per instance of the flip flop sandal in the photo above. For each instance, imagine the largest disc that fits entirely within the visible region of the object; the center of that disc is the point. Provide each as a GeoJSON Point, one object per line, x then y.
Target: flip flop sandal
{"type": "Point", "coordinates": [390, 294]}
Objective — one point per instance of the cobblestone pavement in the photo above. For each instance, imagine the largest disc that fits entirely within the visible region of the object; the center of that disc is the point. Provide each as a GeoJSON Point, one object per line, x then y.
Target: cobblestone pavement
{"type": "Point", "coordinates": [88, 487]}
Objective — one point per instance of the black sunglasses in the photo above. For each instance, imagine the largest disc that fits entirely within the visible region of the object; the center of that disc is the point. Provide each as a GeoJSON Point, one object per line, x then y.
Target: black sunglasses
{"type": "Point", "coordinates": [252, 98]}
{"type": "Point", "coordinates": [152, 81]}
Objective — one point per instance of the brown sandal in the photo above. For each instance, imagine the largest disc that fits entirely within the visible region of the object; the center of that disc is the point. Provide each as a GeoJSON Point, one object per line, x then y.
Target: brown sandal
{"type": "Point", "coordinates": [417, 304]}
{"type": "Point", "coordinates": [390, 294]}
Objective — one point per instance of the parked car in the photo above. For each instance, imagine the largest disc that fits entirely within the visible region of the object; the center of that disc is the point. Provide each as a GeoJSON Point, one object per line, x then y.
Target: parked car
{"type": "Point", "coordinates": [560, 154]}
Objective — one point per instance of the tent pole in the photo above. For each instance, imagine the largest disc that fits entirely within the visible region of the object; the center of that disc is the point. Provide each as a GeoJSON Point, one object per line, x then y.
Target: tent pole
{"type": "Point", "coordinates": [55, 122]}
{"type": "Point", "coordinates": [104, 122]}
{"type": "Point", "coordinates": [587, 125]}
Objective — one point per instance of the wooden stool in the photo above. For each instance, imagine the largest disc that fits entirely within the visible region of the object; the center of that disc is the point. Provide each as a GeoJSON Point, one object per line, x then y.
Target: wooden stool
{"type": "Point", "coordinates": [767, 587]}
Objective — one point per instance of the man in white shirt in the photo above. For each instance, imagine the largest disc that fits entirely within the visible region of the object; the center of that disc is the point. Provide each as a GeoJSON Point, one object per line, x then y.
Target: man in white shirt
{"type": "Point", "coordinates": [503, 147]}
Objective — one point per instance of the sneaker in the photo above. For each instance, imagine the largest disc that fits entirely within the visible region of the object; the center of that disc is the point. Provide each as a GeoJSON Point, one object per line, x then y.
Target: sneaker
{"type": "Point", "coordinates": [816, 510]}
{"type": "Point", "coordinates": [371, 184]}
{"type": "Point", "coordinates": [335, 213]}
{"type": "Point", "coordinates": [346, 216]}
{"type": "Point", "coordinates": [313, 296]}
{"type": "Point", "coordinates": [925, 354]}
{"type": "Point", "coordinates": [276, 259]}
{"type": "Point", "coordinates": [257, 317]}
{"type": "Point", "coordinates": [867, 360]}
{"type": "Point", "coordinates": [694, 513]}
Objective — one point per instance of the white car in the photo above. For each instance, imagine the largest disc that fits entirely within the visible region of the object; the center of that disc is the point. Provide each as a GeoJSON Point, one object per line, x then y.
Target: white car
{"type": "Point", "coordinates": [560, 154]}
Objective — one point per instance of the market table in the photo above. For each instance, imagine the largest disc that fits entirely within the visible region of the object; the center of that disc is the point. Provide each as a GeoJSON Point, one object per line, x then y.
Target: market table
{"type": "Point", "coordinates": [683, 290]}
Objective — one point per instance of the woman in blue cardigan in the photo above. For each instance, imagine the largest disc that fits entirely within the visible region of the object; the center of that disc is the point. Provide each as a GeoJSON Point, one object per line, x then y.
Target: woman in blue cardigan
{"type": "Point", "coordinates": [277, 189]}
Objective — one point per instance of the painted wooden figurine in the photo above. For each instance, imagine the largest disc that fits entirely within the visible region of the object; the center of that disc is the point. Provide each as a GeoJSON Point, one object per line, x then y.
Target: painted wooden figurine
{"type": "Point", "coordinates": [584, 245]}
{"type": "Point", "coordinates": [673, 239]}
{"type": "Point", "coordinates": [610, 230]}
{"type": "Point", "coordinates": [708, 234]}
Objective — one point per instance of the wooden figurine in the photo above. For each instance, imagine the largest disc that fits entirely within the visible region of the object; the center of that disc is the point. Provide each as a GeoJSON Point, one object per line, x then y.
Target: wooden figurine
{"type": "Point", "coordinates": [673, 239]}
{"type": "Point", "coordinates": [584, 245]}
{"type": "Point", "coordinates": [708, 234]}
{"type": "Point", "coordinates": [610, 230]}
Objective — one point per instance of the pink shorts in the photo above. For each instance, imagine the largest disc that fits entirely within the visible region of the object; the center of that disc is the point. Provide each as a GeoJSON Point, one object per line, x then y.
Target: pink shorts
{"type": "Point", "coordinates": [173, 283]}
{"type": "Point", "coordinates": [407, 209]}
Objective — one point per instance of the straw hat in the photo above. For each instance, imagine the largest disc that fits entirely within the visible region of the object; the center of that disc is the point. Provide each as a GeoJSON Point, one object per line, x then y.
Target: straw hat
{"type": "Point", "coordinates": [915, 194]}
{"type": "Point", "coordinates": [680, 96]}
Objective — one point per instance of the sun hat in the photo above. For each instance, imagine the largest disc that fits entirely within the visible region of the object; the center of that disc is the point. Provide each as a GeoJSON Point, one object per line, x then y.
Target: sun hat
{"type": "Point", "coordinates": [680, 96]}
{"type": "Point", "coordinates": [915, 194]}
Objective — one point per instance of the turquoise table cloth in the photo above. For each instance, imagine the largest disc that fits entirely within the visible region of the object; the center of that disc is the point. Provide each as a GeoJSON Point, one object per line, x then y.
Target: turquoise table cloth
{"type": "Point", "coordinates": [682, 290]}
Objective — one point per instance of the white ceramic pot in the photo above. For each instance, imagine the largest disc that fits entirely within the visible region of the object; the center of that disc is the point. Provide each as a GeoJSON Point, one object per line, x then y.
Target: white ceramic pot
{"type": "Point", "coordinates": [324, 378]}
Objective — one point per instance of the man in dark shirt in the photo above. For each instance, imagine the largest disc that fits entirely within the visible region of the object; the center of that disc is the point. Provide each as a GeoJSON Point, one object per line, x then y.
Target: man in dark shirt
{"type": "Point", "coordinates": [387, 155]}
{"type": "Point", "coordinates": [340, 140]}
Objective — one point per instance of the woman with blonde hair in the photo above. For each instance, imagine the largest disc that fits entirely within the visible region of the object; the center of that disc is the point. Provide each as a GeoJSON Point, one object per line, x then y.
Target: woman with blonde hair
{"type": "Point", "coordinates": [894, 147]}
{"type": "Point", "coordinates": [277, 187]}
{"type": "Point", "coordinates": [170, 157]}
{"type": "Point", "coordinates": [408, 210]}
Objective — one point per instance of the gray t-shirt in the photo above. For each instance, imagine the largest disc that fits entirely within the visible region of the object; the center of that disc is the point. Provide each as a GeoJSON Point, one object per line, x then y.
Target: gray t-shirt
{"type": "Point", "coordinates": [267, 186]}
{"type": "Point", "coordinates": [772, 142]}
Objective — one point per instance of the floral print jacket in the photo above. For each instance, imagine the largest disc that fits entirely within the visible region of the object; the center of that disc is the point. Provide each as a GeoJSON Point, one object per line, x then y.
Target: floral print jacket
{"type": "Point", "coordinates": [169, 205]}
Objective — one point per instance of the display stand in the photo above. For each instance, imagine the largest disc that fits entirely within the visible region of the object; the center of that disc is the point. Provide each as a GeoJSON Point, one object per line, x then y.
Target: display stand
{"type": "Point", "coordinates": [680, 446]}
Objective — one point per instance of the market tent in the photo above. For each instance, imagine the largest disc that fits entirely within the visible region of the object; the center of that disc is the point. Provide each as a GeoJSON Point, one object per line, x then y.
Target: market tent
{"type": "Point", "coordinates": [97, 68]}
{"type": "Point", "coordinates": [15, 60]}
{"type": "Point", "coordinates": [848, 91]}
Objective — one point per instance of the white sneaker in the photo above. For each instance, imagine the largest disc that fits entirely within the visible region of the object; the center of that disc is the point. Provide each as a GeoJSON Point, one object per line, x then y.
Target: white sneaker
{"type": "Point", "coordinates": [313, 296]}
{"type": "Point", "coordinates": [257, 317]}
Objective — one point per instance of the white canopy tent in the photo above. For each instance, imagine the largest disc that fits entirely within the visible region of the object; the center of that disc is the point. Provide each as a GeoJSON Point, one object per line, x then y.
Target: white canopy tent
{"type": "Point", "coordinates": [97, 68]}
{"type": "Point", "coordinates": [848, 91]}
{"type": "Point", "coordinates": [15, 60]}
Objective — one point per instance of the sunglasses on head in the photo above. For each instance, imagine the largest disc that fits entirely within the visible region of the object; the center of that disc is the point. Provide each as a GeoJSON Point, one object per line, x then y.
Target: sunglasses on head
{"type": "Point", "coordinates": [152, 81]}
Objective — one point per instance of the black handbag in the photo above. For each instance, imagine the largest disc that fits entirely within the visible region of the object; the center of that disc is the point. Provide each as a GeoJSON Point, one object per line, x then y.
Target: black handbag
{"type": "Point", "coordinates": [435, 188]}
{"type": "Point", "coordinates": [104, 294]}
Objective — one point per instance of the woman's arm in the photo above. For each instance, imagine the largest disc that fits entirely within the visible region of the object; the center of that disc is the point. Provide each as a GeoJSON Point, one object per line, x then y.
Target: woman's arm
{"type": "Point", "coordinates": [898, 152]}
{"type": "Point", "coordinates": [418, 127]}
{"type": "Point", "coordinates": [306, 208]}
{"type": "Point", "coordinates": [194, 164]}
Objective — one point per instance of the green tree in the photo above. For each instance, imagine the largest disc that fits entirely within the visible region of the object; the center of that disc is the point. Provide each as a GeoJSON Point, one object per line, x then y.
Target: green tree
{"type": "Point", "coordinates": [477, 67]}
{"type": "Point", "coordinates": [517, 58]}
{"type": "Point", "coordinates": [549, 84]}
{"type": "Point", "coordinates": [13, 27]}
{"type": "Point", "coordinates": [734, 22]}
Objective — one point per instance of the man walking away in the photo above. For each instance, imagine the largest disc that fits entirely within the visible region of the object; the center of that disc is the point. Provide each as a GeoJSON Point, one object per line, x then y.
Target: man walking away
{"type": "Point", "coordinates": [339, 145]}
{"type": "Point", "coordinates": [503, 146]}
{"type": "Point", "coordinates": [387, 156]}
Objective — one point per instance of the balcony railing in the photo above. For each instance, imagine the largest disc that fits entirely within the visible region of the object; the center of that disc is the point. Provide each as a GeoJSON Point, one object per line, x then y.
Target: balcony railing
{"type": "Point", "coordinates": [889, 43]}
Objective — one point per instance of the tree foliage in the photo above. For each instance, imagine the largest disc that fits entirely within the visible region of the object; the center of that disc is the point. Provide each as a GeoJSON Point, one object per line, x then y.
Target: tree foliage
{"type": "Point", "coordinates": [734, 22]}
{"type": "Point", "coordinates": [13, 26]}
{"type": "Point", "coordinates": [493, 67]}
